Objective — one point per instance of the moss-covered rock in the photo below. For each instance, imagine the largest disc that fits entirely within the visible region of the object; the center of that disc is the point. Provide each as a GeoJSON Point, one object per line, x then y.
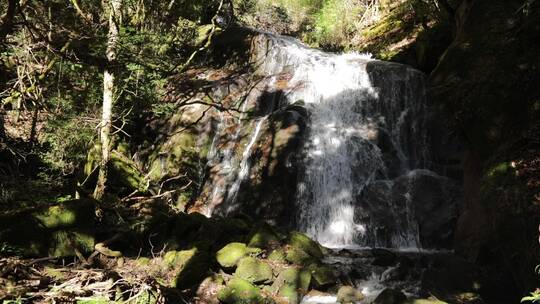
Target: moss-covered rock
{"type": "Point", "coordinates": [264, 237]}
{"type": "Point", "coordinates": [292, 283]}
{"type": "Point", "coordinates": [229, 255]}
{"type": "Point", "coordinates": [254, 270]}
{"type": "Point", "coordinates": [64, 242]}
{"type": "Point", "coordinates": [55, 231]}
{"type": "Point", "coordinates": [239, 291]}
{"type": "Point", "coordinates": [124, 172]}
{"type": "Point", "coordinates": [349, 295]}
{"type": "Point", "coordinates": [298, 256]}
{"type": "Point", "coordinates": [303, 242]}
{"type": "Point", "coordinates": [191, 267]}
{"type": "Point", "coordinates": [277, 255]}
{"type": "Point", "coordinates": [322, 276]}
{"type": "Point", "coordinates": [173, 156]}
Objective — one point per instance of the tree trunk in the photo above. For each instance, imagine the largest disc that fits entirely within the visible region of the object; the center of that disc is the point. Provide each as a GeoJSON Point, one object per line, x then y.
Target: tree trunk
{"type": "Point", "coordinates": [108, 95]}
{"type": "Point", "coordinates": [7, 21]}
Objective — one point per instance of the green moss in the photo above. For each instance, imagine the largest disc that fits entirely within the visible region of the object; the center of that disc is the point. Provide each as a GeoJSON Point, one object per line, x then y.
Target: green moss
{"type": "Point", "coordinates": [254, 270]}
{"type": "Point", "coordinates": [96, 300]}
{"type": "Point", "coordinates": [292, 284]}
{"type": "Point", "coordinates": [239, 291]}
{"type": "Point", "coordinates": [57, 274]}
{"type": "Point", "coordinates": [56, 217]}
{"type": "Point", "coordinates": [303, 242]}
{"type": "Point", "coordinates": [229, 255]}
{"type": "Point", "coordinates": [322, 275]}
{"type": "Point", "coordinates": [126, 172]}
{"type": "Point", "coordinates": [263, 237]}
{"type": "Point", "coordinates": [499, 169]}
{"type": "Point", "coordinates": [56, 230]}
{"type": "Point", "coordinates": [191, 267]}
{"type": "Point", "coordinates": [277, 255]}
{"type": "Point", "coordinates": [178, 259]}
{"type": "Point", "coordinates": [194, 272]}
{"type": "Point", "coordinates": [298, 256]}
{"type": "Point", "coordinates": [64, 243]}
{"type": "Point", "coordinates": [143, 261]}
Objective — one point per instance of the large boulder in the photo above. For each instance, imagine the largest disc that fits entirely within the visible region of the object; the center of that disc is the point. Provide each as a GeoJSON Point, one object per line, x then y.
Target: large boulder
{"type": "Point", "coordinates": [190, 267]}
{"type": "Point", "coordinates": [254, 270]}
{"type": "Point", "coordinates": [264, 237]}
{"type": "Point", "coordinates": [418, 208]}
{"type": "Point", "coordinates": [239, 291]}
{"type": "Point", "coordinates": [322, 276]}
{"type": "Point", "coordinates": [58, 230]}
{"type": "Point", "coordinates": [303, 242]}
{"type": "Point", "coordinates": [229, 255]}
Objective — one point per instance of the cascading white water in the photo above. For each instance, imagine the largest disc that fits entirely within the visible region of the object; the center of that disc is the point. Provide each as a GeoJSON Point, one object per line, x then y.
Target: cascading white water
{"type": "Point", "coordinates": [349, 115]}
{"type": "Point", "coordinates": [364, 135]}
{"type": "Point", "coordinates": [244, 165]}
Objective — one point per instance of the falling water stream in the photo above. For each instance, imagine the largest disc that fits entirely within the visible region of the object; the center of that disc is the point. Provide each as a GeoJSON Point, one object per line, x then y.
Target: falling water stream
{"type": "Point", "coordinates": [355, 103]}
{"type": "Point", "coordinates": [364, 130]}
{"type": "Point", "coordinates": [364, 156]}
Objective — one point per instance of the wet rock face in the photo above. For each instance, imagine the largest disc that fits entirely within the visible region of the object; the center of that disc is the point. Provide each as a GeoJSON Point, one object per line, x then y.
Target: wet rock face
{"type": "Point", "coordinates": [288, 140]}
{"type": "Point", "coordinates": [419, 200]}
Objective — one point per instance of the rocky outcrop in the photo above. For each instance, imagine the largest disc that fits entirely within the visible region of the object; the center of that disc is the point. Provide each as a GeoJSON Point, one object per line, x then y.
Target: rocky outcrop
{"type": "Point", "coordinates": [487, 81]}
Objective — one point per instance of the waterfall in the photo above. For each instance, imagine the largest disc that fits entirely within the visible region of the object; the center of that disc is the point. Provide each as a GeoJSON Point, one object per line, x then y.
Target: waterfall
{"type": "Point", "coordinates": [363, 144]}
{"type": "Point", "coordinates": [357, 106]}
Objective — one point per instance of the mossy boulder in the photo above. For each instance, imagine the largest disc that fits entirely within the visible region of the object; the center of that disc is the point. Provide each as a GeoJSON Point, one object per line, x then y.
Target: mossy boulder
{"type": "Point", "coordinates": [64, 242]}
{"type": "Point", "coordinates": [55, 231]}
{"type": "Point", "coordinates": [349, 295]}
{"type": "Point", "coordinates": [239, 291]}
{"type": "Point", "coordinates": [124, 172]}
{"type": "Point", "coordinates": [191, 267]}
{"type": "Point", "coordinates": [292, 283]}
{"type": "Point", "coordinates": [322, 276]}
{"type": "Point", "coordinates": [254, 270]}
{"type": "Point", "coordinates": [264, 237]}
{"type": "Point", "coordinates": [298, 256]}
{"type": "Point", "coordinates": [172, 157]}
{"type": "Point", "coordinates": [277, 255]}
{"type": "Point", "coordinates": [303, 242]}
{"type": "Point", "coordinates": [229, 255]}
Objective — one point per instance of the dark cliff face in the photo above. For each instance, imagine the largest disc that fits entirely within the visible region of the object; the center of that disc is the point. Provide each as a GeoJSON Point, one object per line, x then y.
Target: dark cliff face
{"type": "Point", "coordinates": [488, 83]}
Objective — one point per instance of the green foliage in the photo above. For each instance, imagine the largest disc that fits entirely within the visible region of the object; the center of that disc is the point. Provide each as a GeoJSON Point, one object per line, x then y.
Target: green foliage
{"type": "Point", "coordinates": [336, 23]}
{"type": "Point", "coordinates": [534, 297]}
{"type": "Point", "coordinates": [66, 141]}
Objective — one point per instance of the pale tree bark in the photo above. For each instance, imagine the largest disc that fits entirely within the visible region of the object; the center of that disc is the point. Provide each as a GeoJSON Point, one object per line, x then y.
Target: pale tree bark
{"type": "Point", "coordinates": [108, 95]}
